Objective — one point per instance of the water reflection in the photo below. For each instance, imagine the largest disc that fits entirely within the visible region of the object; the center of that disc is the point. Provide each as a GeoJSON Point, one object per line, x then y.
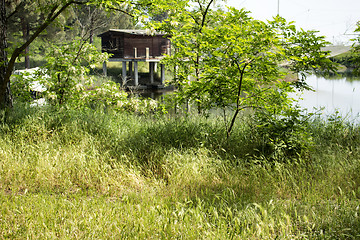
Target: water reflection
{"type": "Point", "coordinates": [348, 76]}
{"type": "Point", "coordinates": [334, 93]}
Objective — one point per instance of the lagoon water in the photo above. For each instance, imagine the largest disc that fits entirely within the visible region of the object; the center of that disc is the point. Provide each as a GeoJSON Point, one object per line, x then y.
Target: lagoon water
{"type": "Point", "coordinates": [337, 93]}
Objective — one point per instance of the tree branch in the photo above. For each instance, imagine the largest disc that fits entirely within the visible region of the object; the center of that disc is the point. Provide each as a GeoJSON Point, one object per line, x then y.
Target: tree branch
{"type": "Point", "coordinates": [15, 11]}
{"type": "Point", "coordinates": [205, 14]}
{"type": "Point", "coordinates": [242, 71]}
{"type": "Point", "coordinates": [49, 19]}
{"type": "Point", "coordinates": [195, 20]}
{"type": "Point", "coordinates": [120, 10]}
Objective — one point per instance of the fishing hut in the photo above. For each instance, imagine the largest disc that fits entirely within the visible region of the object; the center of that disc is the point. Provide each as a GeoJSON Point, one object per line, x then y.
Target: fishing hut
{"type": "Point", "coordinates": [133, 46]}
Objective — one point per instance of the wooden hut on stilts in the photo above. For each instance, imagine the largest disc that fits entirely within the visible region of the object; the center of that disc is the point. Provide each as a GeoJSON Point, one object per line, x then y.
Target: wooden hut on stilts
{"type": "Point", "coordinates": [133, 46]}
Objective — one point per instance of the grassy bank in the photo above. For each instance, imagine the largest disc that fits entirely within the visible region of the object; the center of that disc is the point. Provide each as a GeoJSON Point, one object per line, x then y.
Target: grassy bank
{"type": "Point", "coordinates": [92, 175]}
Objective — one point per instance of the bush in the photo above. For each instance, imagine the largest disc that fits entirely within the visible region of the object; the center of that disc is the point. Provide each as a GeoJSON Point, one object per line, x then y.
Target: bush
{"type": "Point", "coordinates": [282, 136]}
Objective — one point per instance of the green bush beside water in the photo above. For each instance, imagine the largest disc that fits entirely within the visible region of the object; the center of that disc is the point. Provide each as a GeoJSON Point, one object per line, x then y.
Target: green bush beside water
{"type": "Point", "coordinates": [92, 175]}
{"type": "Point", "coordinates": [349, 60]}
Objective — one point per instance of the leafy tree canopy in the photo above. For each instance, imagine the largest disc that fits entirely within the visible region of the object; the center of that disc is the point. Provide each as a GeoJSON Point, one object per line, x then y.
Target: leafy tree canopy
{"type": "Point", "coordinates": [46, 12]}
{"type": "Point", "coordinates": [224, 58]}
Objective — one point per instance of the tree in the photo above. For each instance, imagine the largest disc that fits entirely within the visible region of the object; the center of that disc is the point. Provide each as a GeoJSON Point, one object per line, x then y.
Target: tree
{"type": "Point", "coordinates": [68, 68]}
{"type": "Point", "coordinates": [20, 24]}
{"type": "Point", "coordinates": [50, 11]}
{"type": "Point", "coordinates": [89, 20]}
{"type": "Point", "coordinates": [356, 50]}
{"type": "Point", "coordinates": [5, 95]}
{"type": "Point", "coordinates": [226, 59]}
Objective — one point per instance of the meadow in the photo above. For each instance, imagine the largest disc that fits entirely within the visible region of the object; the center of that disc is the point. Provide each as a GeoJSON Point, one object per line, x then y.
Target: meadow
{"type": "Point", "coordinates": [100, 174]}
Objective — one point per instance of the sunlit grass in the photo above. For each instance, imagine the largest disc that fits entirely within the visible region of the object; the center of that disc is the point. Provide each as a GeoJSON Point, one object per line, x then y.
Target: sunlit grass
{"type": "Point", "coordinates": [93, 175]}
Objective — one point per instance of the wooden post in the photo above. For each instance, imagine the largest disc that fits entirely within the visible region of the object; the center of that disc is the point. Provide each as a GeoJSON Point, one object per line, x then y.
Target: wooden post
{"type": "Point", "coordinates": [162, 80]}
{"type": "Point", "coordinates": [136, 73]}
{"type": "Point", "coordinates": [131, 69]}
{"type": "Point", "coordinates": [147, 53]}
{"type": "Point", "coordinates": [151, 68]}
{"type": "Point", "coordinates": [104, 69]}
{"type": "Point", "coordinates": [124, 72]}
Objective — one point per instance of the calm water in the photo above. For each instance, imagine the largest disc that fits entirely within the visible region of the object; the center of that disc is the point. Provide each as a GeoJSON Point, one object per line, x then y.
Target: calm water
{"type": "Point", "coordinates": [334, 94]}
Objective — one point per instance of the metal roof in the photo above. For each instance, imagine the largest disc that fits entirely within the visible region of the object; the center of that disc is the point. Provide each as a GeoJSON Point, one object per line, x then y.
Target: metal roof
{"type": "Point", "coordinates": [133, 31]}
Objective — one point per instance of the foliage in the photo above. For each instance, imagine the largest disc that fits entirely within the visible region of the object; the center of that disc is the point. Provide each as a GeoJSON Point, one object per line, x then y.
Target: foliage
{"type": "Point", "coordinates": [356, 51]}
{"type": "Point", "coordinates": [48, 12]}
{"type": "Point", "coordinates": [351, 59]}
{"type": "Point", "coordinates": [66, 81]}
{"type": "Point", "coordinates": [68, 67]}
{"type": "Point", "coordinates": [89, 21]}
{"type": "Point", "coordinates": [225, 59]}
{"type": "Point", "coordinates": [21, 88]}
{"type": "Point", "coordinates": [283, 135]}
{"type": "Point", "coordinates": [302, 50]}
{"type": "Point", "coordinates": [85, 21]}
{"type": "Point", "coordinates": [27, 85]}
{"type": "Point", "coordinates": [346, 59]}
{"type": "Point", "coordinates": [110, 95]}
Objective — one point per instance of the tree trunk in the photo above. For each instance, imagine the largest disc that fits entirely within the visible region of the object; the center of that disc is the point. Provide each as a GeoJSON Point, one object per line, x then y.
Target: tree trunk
{"type": "Point", "coordinates": [91, 38]}
{"type": "Point", "coordinates": [5, 93]}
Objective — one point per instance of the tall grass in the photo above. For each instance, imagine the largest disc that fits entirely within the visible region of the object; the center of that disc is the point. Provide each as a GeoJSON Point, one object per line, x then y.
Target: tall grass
{"type": "Point", "coordinates": [89, 174]}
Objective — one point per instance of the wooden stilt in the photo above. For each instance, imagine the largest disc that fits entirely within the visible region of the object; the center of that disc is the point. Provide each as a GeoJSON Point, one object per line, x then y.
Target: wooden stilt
{"type": "Point", "coordinates": [131, 69]}
{"type": "Point", "coordinates": [151, 68]}
{"type": "Point", "coordinates": [124, 72]}
{"type": "Point", "coordinates": [162, 81]}
{"type": "Point", "coordinates": [147, 55]}
{"type": "Point", "coordinates": [136, 72]}
{"type": "Point", "coordinates": [104, 69]}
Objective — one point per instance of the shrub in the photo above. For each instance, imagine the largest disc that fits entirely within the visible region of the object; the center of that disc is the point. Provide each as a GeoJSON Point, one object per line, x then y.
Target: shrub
{"type": "Point", "coordinates": [284, 135]}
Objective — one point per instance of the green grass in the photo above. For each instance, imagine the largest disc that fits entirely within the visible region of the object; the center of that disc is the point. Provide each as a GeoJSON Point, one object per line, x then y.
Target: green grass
{"type": "Point", "coordinates": [92, 175]}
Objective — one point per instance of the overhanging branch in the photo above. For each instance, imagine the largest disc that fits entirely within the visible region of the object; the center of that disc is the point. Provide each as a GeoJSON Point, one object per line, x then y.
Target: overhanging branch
{"type": "Point", "coordinates": [54, 13]}
{"type": "Point", "coordinates": [15, 11]}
